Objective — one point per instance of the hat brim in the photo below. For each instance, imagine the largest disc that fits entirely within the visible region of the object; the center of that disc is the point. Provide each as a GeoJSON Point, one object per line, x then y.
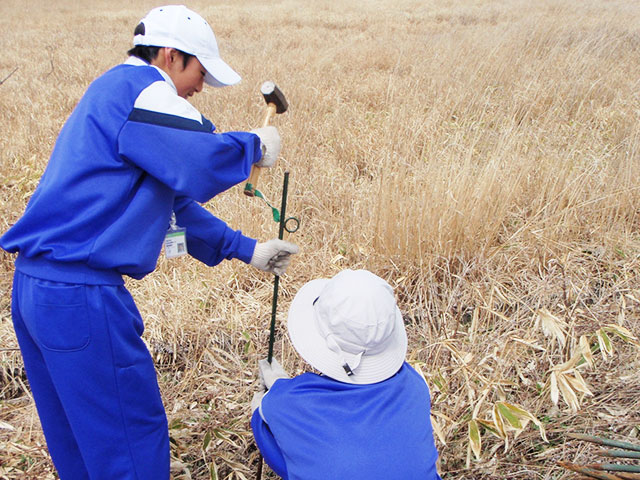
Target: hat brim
{"type": "Point", "coordinates": [312, 347]}
{"type": "Point", "coordinates": [219, 74]}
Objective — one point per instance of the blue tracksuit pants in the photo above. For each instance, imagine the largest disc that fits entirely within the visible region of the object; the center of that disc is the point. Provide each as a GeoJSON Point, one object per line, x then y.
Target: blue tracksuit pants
{"type": "Point", "coordinates": [92, 378]}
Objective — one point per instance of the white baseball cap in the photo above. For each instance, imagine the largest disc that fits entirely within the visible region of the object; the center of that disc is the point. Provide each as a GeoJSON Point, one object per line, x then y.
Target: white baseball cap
{"type": "Point", "coordinates": [178, 27]}
{"type": "Point", "coordinates": [349, 327]}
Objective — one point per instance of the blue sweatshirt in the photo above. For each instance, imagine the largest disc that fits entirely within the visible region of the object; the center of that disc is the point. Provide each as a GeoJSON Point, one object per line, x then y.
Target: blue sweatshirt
{"type": "Point", "coordinates": [131, 152]}
{"type": "Point", "coordinates": [313, 427]}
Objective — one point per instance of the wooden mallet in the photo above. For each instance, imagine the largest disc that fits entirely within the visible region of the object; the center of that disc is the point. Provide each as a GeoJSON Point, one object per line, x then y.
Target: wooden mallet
{"type": "Point", "coordinates": [276, 103]}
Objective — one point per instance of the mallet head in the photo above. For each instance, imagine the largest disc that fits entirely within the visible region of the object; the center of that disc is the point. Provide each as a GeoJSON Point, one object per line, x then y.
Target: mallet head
{"type": "Point", "coordinates": [272, 94]}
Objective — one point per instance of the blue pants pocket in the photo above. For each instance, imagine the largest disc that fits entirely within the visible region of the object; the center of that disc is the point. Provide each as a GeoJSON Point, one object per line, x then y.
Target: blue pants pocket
{"type": "Point", "coordinates": [61, 320]}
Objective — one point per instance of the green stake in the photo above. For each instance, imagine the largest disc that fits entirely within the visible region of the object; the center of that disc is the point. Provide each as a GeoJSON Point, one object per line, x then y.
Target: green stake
{"type": "Point", "coordinates": [274, 304]}
{"type": "Point", "coordinates": [276, 282]}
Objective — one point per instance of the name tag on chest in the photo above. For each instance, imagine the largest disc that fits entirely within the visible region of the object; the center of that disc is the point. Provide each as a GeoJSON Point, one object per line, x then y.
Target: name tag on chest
{"type": "Point", "coordinates": [175, 243]}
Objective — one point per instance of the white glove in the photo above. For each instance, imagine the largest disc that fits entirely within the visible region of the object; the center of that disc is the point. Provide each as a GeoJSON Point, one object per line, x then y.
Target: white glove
{"type": "Point", "coordinates": [273, 256]}
{"type": "Point", "coordinates": [256, 401]}
{"type": "Point", "coordinates": [269, 143]}
{"type": "Point", "coordinates": [268, 373]}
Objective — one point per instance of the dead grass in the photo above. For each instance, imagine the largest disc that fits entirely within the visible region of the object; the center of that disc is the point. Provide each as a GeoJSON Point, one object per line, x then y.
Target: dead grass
{"type": "Point", "coordinates": [483, 157]}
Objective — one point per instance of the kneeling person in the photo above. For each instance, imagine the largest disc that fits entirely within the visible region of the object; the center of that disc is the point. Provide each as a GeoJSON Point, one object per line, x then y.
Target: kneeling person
{"type": "Point", "coordinates": [367, 415]}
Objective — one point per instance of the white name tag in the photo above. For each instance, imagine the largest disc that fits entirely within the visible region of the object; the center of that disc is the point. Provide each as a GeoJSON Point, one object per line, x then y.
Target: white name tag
{"type": "Point", "coordinates": [175, 243]}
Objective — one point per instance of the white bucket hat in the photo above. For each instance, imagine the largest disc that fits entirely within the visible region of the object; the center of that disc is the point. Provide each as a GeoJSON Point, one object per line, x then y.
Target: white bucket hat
{"type": "Point", "coordinates": [349, 327]}
{"type": "Point", "coordinates": [178, 27]}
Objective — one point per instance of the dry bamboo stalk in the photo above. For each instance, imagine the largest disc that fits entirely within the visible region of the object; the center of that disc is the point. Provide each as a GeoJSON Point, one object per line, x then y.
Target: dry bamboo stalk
{"type": "Point", "coordinates": [628, 476]}
{"type": "Point", "coordinates": [589, 472]}
{"type": "Point", "coordinates": [605, 441]}
{"type": "Point", "coordinates": [620, 453]}
{"type": "Point", "coordinates": [614, 467]}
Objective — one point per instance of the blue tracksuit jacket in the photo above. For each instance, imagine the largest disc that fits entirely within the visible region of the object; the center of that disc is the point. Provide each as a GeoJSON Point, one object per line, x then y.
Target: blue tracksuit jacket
{"type": "Point", "coordinates": [313, 427]}
{"type": "Point", "coordinates": [130, 153]}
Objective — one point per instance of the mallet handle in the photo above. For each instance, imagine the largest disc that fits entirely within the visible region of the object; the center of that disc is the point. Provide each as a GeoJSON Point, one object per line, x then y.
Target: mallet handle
{"type": "Point", "coordinates": [271, 111]}
{"type": "Point", "coordinates": [250, 187]}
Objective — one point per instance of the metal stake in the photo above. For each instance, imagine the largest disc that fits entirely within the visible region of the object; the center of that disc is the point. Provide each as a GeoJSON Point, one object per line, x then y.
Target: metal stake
{"type": "Point", "coordinates": [276, 283]}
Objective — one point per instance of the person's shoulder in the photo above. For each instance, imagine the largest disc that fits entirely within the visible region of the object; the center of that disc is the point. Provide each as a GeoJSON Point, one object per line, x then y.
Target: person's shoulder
{"type": "Point", "coordinates": [300, 383]}
{"type": "Point", "coordinates": [161, 97]}
{"type": "Point", "coordinates": [413, 381]}
{"type": "Point", "coordinates": [409, 372]}
{"type": "Point", "coordinates": [299, 380]}
{"type": "Point", "coordinates": [295, 394]}
{"type": "Point", "coordinates": [127, 74]}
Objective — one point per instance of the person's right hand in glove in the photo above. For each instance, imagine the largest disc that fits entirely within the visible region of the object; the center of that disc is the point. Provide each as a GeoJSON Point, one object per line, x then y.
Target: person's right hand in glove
{"type": "Point", "coordinates": [270, 145]}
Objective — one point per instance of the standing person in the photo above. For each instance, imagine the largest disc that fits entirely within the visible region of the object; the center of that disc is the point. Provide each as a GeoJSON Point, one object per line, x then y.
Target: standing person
{"type": "Point", "coordinates": [367, 415]}
{"type": "Point", "coordinates": [124, 176]}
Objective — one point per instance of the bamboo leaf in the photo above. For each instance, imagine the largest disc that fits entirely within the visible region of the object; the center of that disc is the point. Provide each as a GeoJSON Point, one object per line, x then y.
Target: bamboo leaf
{"type": "Point", "coordinates": [604, 342]}
{"type": "Point", "coordinates": [213, 471]}
{"type": "Point", "coordinates": [207, 439]}
{"type": "Point", "coordinates": [474, 438]}
{"type": "Point", "coordinates": [518, 411]}
{"type": "Point", "coordinates": [578, 383]}
{"type": "Point", "coordinates": [6, 426]}
{"type": "Point", "coordinates": [569, 364]}
{"type": "Point", "coordinates": [623, 333]}
{"type": "Point", "coordinates": [437, 429]}
{"type": "Point", "coordinates": [498, 422]}
{"type": "Point", "coordinates": [607, 342]}
{"type": "Point", "coordinates": [439, 382]}
{"type": "Point", "coordinates": [555, 393]}
{"type": "Point", "coordinates": [623, 307]}
{"type": "Point", "coordinates": [585, 349]}
{"type": "Point", "coordinates": [490, 426]}
{"type": "Point", "coordinates": [525, 414]}
{"type": "Point", "coordinates": [568, 394]}
{"type": "Point", "coordinates": [552, 326]}
{"type": "Point", "coordinates": [512, 419]}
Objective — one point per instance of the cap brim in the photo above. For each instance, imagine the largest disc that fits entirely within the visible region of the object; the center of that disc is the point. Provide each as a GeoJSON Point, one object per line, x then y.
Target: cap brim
{"type": "Point", "coordinates": [312, 347]}
{"type": "Point", "coordinates": [219, 74]}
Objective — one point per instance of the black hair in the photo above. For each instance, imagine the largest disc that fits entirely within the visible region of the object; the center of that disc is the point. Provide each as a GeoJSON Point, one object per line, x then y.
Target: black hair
{"type": "Point", "coordinates": [148, 53]}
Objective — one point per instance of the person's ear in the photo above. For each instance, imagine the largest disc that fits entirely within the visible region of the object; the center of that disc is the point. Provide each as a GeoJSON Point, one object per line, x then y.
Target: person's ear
{"type": "Point", "coordinates": [174, 58]}
{"type": "Point", "coordinates": [168, 55]}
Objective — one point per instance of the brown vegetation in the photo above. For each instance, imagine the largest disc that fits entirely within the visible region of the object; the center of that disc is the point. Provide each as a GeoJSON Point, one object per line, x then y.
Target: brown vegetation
{"type": "Point", "coordinates": [482, 156]}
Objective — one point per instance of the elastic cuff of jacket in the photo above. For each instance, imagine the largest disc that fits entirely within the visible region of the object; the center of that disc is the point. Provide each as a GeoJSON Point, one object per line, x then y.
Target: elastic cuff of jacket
{"type": "Point", "coordinates": [68, 272]}
{"type": "Point", "coordinates": [246, 247]}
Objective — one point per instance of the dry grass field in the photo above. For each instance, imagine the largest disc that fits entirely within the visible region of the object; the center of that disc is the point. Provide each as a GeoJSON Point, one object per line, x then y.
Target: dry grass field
{"type": "Point", "coordinates": [482, 156]}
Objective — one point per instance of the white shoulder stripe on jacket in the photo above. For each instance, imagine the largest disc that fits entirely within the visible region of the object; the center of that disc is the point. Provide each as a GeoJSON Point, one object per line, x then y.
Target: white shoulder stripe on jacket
{"type": "Point", "coordinates": [162, 98]}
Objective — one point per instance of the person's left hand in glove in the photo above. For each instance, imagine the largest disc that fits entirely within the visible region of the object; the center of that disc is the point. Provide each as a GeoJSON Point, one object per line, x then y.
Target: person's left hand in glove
{"type": "Point", "coordinates": [273, 256]}
{"type": "Point", "coordinates": [256, 401]}
{"type": "Point", "coordinates": [268, 373]}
